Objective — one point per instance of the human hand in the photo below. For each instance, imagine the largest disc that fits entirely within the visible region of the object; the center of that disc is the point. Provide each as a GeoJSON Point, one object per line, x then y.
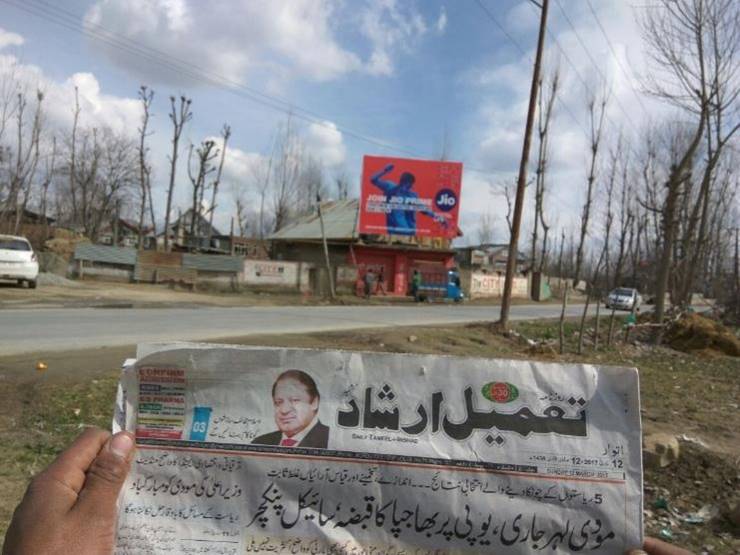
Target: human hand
{"type": "Point", "coordinates": [71, 506]}
{"type": "Point", "coordinates": [657, 547]}
{"type": "Point", "coordinates": [388, 168]}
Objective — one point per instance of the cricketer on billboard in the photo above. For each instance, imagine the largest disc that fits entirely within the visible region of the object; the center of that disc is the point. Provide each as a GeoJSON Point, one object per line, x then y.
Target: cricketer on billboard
{"type": "Point", "coordinates": [401, 196]}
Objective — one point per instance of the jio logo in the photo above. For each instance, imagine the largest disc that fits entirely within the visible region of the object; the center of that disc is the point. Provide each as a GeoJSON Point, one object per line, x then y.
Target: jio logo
{"type": "Point", "coordinates": [445, 200]}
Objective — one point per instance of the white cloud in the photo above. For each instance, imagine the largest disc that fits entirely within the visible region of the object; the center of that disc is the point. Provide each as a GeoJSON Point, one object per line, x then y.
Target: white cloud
{"type": "Point", "coordinates": [239, 165]}
{"type": "Point", "coordinates": [325, 142]}
{"type": "Point", "coordinates": [504, 94]}
{"type": "Point", "coordinates": [8, 38]}
{"type": "Point", "coordinates": [390, 27]}
{"type": "Point", "coordinates": [441, 24]}
{"type": "Point", "coordinates": [254, 38]}
{"type": "Point", "coordinates": [97, 109]}
{"type": "Point", "coordinates": [522, 18]}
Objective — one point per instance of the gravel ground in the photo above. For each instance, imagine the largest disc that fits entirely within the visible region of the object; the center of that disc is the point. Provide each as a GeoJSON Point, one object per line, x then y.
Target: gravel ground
{"type": "Point", "coordinates": [46, 278]}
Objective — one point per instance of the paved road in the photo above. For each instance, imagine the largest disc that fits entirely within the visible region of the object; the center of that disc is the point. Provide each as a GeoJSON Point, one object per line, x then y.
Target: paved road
{"type": "Point", "coordinates": [27, 331]}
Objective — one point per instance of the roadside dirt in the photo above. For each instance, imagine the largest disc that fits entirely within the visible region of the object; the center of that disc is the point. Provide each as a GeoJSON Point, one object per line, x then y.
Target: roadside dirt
{"type": "Point", "coordinates": [86, 293]}
{"type": "Point", "coordinates": [97, 293]}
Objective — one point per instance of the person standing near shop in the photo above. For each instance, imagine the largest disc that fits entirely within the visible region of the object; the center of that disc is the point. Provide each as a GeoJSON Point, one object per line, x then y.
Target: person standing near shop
{"type": "Point", "coordinates": [369, 280]}
{"type": "Point", "coordinates": [380, 284]}
{"type": "Point", "coordinates": [415, 284]}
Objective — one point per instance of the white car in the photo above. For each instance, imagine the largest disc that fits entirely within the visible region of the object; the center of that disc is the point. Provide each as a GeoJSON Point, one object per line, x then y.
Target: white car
{"type": "Point", "coordinates": [18, 261]}
{"type": "Point", "coordinates": [624, 298]}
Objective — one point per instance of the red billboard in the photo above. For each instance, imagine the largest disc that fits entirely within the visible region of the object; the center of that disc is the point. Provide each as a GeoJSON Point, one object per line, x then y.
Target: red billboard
{"type": "Point", "coordinates": [401, 196]}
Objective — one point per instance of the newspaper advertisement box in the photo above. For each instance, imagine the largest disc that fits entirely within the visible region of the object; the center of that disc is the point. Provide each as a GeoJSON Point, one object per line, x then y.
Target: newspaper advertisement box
{"type": "Point", "coordinates": [266, 450]}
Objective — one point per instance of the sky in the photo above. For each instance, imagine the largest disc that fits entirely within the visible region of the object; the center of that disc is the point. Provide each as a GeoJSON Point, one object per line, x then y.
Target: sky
{"type": "Point", "coordinates": [394, 77]}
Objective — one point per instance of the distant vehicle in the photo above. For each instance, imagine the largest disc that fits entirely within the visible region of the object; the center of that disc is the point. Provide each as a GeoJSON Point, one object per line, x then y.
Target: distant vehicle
{"type": "Point", "coordinates": [18, 261]}
{"type": "Point", "coordinates": [624, 298]}
{"type": "Point", "coordinates": [439, 285]}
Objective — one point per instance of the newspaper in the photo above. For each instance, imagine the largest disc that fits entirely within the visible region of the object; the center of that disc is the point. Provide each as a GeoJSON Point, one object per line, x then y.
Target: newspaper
{"type": "Point", "coordinates": [263, 450]}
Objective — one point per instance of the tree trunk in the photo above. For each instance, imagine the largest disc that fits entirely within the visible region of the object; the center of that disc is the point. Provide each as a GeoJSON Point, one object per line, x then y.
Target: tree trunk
{"type": "Point", "coordinates": [674, 185]}
{"type": "Point", "coordinates": [561, 327]}
{"type": "Point", "coordinates": [178, 123]}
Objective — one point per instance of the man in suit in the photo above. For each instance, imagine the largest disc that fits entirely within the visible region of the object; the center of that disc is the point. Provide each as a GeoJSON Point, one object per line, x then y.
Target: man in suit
{"type": "Point", "coordinates": [295, 399]}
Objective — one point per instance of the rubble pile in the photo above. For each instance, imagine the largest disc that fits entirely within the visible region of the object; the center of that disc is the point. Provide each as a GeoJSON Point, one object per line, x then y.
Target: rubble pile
{"type": "Point", "coordinates": [693, 332]}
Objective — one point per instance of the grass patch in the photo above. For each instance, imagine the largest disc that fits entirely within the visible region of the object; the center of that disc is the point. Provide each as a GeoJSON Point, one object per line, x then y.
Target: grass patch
{"type": "Point", "coordinates": [44, 419]}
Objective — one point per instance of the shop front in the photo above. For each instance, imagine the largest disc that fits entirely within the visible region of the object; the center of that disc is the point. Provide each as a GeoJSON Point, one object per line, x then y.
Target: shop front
{"type": "Point", "coordinates": [396, 264]}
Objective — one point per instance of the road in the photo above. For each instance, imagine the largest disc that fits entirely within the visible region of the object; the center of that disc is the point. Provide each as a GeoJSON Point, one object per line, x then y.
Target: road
{"type": "Point", "coordinates": [37, 330]}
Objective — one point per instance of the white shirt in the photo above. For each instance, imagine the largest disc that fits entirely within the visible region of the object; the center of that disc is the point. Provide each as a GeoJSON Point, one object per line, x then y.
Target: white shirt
{"type": "Point", "coordinates": [303, 433]}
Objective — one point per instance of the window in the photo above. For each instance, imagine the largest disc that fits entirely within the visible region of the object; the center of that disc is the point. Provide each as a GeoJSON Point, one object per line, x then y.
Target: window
{"type": "Point", "coordinates": [15, 245]}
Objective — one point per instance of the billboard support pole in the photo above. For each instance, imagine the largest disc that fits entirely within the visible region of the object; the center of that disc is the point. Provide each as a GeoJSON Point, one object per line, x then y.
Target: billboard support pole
{"type": "Point", "coordinates": [332, 294]}
{"type": "Point", "coordinates": [522, 180]}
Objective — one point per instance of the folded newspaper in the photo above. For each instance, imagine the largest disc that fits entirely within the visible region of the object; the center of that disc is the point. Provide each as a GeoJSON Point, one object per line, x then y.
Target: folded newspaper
{"type": "Point", "coordinates": [264, 450]}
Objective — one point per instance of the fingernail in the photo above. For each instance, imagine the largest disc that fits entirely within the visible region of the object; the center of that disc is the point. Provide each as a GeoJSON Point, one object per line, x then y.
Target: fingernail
{"type": "Point", "coordinates": [122, 444]}
{"type": "Point", "coordinates": [637, 552]}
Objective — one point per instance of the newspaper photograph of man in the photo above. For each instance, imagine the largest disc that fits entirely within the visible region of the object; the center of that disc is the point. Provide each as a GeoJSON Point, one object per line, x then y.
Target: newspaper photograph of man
{"type": "Point", "coordinates": [295, 400]}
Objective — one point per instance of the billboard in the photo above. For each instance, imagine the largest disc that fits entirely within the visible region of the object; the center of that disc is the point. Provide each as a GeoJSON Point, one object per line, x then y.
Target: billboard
{"type": "Point", "coordinates": [401, 196]}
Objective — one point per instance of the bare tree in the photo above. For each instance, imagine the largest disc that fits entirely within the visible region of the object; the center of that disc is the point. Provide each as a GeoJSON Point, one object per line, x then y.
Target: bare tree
{"type": "Point", "coordinates": [286, 172]}
{"type": "Point", "coordinates": [225, 134]}
{"type": "Point", "coordinates": [342, 182]}
{"type": "Point", "coordinates": [693, 48]}
{"type": "Point", "coordinates": [146, 97]}
{"type": "Point", "coordinates": [242, 214]}
{"type": "Point", "coordinates": [262, 176]}
{"type": "Point", "coordinates": [596, 113]}
{"type": "Point", "coordinates": [205, 154]}
{"type": "Point", "coordinates": [73, 157]}
{"type": "Point", "coordinates": [485, 228]}
{"type": "Point", "coordinates": [561, 322]}
{"type": "Point", "coordinates": [591, 289]}
{"type": "Point", "coordinates": [104, 173]}
{"type": "Point", "coordinates": [506, 189]}
{"type": "Point", "coordinates": [616, 156]}
{"type": "Point", "coordinates": [21, 160]}
{"type": "Point", "coordinates": [22, 179]}
{"type": "Point", "coordinates": [49, 172]}
{"type": "Point", "coordinates": [8, 94]}
{"type": "Point", "coordinates": [546, 101]}
{"type": "Point", "coordinates": [310, 184]}
{"type": "Point", "coordinates": [626, 217]}
{"type": "Point", "coordinates": [179, 118]}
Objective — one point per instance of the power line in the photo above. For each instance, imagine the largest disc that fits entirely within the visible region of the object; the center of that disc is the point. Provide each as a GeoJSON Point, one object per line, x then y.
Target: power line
{"type": "Point", "coordinates": [614, 53]}
{"type": "Point", "coordinates": [590, 57]}
{"type": "Point", "coordinates": [524, 53]}
{"type": "Point", "coordinates": [500, 26]}
{"type": "Point", "coordinates": [630, 146]}
{"type": "Point", "coordinates": [199, 74]}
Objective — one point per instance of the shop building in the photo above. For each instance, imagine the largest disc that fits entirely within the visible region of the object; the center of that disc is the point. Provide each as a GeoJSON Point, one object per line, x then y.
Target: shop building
{"type": "Point", "coordinates": [352, 254]}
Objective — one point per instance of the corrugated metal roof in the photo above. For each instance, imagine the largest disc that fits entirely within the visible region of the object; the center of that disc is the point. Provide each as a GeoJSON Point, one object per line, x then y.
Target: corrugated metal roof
{"type": "Point", "coordinates": [340, 222]}
{"type": "Point", "coordinates": [213, 262]}
{"type": "Point", "coordinates": [125, 256]}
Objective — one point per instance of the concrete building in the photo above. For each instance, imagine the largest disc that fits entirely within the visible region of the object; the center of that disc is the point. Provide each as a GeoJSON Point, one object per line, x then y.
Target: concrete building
{"type": "Point", "coordinates": [489, 258]}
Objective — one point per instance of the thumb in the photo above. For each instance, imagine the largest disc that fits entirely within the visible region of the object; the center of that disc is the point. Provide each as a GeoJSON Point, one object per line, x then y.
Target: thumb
{"type": "Point", "coordinates": [105, 477]}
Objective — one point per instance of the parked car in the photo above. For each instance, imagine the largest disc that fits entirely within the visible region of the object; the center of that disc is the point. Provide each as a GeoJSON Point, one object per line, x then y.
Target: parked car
{"type": "Point", "coordinates": [624, 298]}
{"type": "Point", "coordinates": [18, 261]}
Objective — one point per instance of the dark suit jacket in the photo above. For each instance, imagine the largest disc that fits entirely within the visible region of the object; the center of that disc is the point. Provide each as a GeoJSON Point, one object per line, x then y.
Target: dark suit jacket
{"type": "Point", "coordinates": [317, 438]}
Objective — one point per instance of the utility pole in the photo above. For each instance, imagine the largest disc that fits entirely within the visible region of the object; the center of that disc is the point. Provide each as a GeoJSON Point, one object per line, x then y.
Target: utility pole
{"type": "Point", "coordinates": [522, 181]}
{"type": "Point", "coordinates": [326, 249]}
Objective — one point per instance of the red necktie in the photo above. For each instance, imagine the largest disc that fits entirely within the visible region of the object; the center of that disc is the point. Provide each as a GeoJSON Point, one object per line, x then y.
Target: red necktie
{"type": "Point", "coordinates": [287, 442]}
